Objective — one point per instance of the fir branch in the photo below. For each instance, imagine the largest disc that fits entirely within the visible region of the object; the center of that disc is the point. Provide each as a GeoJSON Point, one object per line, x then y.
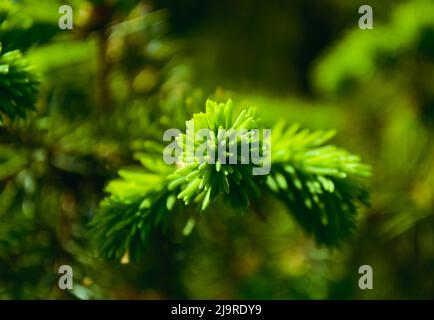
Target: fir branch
{"type": "Point", "coordinates": [320, 184]}
{"type": "Point", "coordinates": [202, 182]}
{"type": "Point", "coordinates": [139, 202]}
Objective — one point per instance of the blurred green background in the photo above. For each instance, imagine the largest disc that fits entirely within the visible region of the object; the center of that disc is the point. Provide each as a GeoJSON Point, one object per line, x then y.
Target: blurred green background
{"type": "Point", "coordinates": [130, 69]}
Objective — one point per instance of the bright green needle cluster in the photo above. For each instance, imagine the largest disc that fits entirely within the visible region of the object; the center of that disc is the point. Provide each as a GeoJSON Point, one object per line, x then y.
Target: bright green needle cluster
{"type": "Point", "coordinates": [321, 184]}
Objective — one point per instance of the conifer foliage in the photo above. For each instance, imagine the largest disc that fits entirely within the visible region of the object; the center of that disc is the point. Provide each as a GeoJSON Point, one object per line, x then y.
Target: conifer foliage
{"type": "Point", "coordinates": [18, 85]}
{"type": "Point", "coordinates": [104, 92]}
{"type": "Point", "coordinates": [321, 184]}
